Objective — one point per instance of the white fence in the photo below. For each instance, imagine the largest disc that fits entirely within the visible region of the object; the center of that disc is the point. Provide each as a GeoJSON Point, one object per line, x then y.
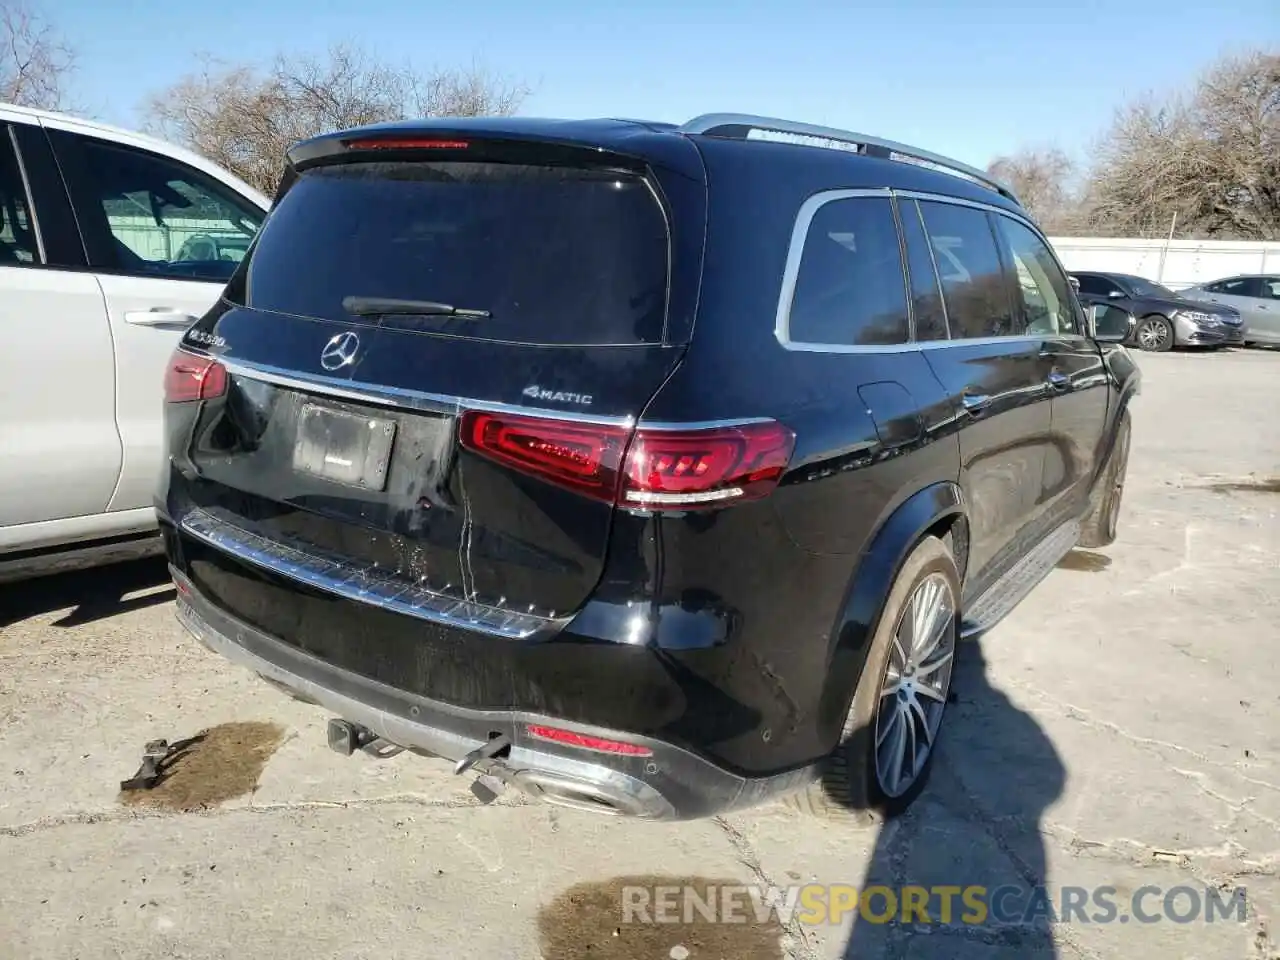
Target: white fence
{"type": "Point", "coordinates": [1177, 263]}
{"type": "Point", "coordinates": [151, 242]}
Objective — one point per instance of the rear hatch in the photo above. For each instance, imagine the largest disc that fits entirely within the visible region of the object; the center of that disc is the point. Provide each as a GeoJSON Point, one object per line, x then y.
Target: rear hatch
{"type": "Point", "coordinates": [399, 302]}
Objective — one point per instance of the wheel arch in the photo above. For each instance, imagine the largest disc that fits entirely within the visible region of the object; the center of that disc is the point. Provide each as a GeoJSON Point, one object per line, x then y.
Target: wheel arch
{"type": "Point", "coordinates": [937, 510]}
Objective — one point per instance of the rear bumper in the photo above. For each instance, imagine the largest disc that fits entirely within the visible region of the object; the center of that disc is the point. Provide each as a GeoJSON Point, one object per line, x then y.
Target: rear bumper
{"type": "Point", "coordinates": [668, 784]}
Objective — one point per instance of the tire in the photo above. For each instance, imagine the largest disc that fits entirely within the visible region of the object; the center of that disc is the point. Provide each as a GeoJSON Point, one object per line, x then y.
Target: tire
{"type": "Point", "coordinates": [850, 787]}
{"type": "Point", "coordinates": [1154, 334]}
{"type": "Point", "coordinates": [1098, 529]}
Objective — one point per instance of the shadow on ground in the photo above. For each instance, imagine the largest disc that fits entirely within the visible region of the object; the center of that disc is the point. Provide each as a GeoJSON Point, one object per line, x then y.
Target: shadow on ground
{"type": "Point", "coordinates": [977, 824]}
{"type": "Point", "coordinates": [87, 595]}
{"type": "Point", "coordinates": [1084, 561]}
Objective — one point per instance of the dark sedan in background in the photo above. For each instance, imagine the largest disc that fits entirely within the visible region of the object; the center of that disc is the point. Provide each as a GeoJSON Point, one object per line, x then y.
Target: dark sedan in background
{"type": "Point", "coordinates": [1164, 319]}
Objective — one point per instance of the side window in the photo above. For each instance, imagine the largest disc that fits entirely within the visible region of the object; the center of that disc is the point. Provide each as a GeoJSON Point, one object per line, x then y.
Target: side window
{"type": "Point", "coordinates": [1240, 287]}
{"type": "Point", "coordinates": [165, 219]}
{"type": "Point", "coordinates": [1270, 288]}
{"type": "Point", "coordinates": [850, 289]}
{"type": "Point", "coordinates": [18, 246]}
{"type": "Point", "coordinates": [1219, 287]}
{"type": "Point", "coordinates": [1048, 306]}
{"type": "Point", "coordinates": [926, 298]}
{"type": "Point", "coordinates": [974, 285]}
{"type": "Point", "coordinates": [1094, 286]}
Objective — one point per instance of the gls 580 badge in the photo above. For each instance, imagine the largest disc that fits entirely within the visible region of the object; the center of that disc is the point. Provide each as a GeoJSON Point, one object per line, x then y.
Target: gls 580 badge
{"type": "Point", "coordinates": [208, 339]}
{"type": "Point", "coordinates": [536, 392]}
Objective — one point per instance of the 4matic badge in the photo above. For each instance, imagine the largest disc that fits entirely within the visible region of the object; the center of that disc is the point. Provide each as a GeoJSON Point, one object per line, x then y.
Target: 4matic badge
{"type": "Point", "coordinates": [536, 392]}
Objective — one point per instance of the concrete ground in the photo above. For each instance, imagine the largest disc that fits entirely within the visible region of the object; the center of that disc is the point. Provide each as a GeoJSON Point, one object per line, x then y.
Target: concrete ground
{"type": "Point", "coordinates": [1121, 728]}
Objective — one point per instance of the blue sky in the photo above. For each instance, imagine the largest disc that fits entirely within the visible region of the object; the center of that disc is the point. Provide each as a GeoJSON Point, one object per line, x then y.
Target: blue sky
{"type": "Point", "coordinates": [971, 79]}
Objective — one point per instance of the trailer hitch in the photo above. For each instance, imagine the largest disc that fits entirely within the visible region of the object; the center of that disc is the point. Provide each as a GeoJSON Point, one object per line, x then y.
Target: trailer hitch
{"type": "Point", "coordinates": [484, 760]}
{"type": "Point", "coordinates": [153, 755]}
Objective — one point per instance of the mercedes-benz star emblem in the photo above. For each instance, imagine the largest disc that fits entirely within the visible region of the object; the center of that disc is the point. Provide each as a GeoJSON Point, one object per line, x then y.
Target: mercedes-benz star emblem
{"type": "Point", "coordinates": [340, 351]}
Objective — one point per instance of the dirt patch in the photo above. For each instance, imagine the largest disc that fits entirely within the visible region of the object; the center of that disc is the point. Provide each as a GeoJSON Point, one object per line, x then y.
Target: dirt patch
{"type": "Point", "coordinates": [1247, 485]}
{"type": "Point", "coordinates": [216, 765]}
{"type": "Point", "coordinates": [589, 922]}
{"type": "Point", "coordinates": [1085, 561]}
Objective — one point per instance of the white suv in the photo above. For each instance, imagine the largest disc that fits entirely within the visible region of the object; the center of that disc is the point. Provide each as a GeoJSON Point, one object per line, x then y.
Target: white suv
{"type": "Point", "coordinates": [97, 282]}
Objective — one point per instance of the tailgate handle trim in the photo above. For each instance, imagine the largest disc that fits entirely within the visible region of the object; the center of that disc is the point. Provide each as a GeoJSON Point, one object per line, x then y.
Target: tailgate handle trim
{"type": "Point", "coordinates": [399, 397]}
{"type": "Point", "coordinates": [362, 584]}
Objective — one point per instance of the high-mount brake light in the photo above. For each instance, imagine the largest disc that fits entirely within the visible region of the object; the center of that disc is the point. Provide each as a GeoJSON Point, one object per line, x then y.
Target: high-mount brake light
{"type": "Point", "coordinates": [405, 143]}
{"type": "Point", "coordinates": [644, 468]}
{"type": "Point", "coordinates": [190, 376]}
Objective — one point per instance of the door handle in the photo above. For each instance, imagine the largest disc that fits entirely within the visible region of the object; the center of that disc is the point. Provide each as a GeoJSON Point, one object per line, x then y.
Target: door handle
{"type": "Point", "coordinates": [166, 318]}
{"type": "Point", "coordinates": [1059, 381]}
{"type": "Point", "coordinates": [975, 403]}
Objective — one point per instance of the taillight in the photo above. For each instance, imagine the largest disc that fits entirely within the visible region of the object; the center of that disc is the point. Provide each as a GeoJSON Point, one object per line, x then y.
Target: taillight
{"type": "Point", "coordinates": [647, 468]}
{"type": "Point", "coordinates": [569, 738]}
{"type": "Point", "coordinates": [682, 468]}
{"type": "Point", "coordinates": [583, 457]}
{"type": "Point", "coordinates": [192, 377]}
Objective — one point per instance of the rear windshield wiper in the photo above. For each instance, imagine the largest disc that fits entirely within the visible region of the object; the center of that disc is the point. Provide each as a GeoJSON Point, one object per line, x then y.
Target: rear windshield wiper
{"type": "Point", "coordinates": [383, 306]}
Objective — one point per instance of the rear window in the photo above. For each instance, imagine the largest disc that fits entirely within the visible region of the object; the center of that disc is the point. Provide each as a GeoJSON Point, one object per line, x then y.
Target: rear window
{"type": "Point", "coordinates": [555, 254]}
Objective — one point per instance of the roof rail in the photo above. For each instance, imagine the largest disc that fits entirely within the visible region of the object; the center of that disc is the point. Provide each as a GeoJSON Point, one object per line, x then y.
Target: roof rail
{"type": "Point", "coordinates": [739, 126]}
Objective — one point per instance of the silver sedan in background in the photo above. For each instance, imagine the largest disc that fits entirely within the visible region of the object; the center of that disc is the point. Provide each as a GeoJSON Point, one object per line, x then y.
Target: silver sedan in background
{"type": "Point", "coordinates": [1256, 296]}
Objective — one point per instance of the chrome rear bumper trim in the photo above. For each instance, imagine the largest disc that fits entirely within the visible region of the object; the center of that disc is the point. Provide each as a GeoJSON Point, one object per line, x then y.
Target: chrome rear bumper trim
{"type": "Point", "coordinates": [364, 584]}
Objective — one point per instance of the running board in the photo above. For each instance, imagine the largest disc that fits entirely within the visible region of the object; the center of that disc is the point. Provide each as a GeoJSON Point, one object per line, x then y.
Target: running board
{"type": "Point", "coordinates": [1010, 590]}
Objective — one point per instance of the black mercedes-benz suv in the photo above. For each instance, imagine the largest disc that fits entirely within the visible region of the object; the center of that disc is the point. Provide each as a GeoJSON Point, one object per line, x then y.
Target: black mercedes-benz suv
{"type": "Point", "coordinates": [649, 469]}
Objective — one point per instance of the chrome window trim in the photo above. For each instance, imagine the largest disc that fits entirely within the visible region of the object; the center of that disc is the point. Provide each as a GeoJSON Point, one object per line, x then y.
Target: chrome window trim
{"type": "Point", "coordinates": [800, 232]}
{"type": "Point", "coordinates": [791, 272]}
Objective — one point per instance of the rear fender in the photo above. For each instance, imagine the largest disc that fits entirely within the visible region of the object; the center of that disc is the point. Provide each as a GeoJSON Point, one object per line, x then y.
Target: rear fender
{"type": "Point", "coordinates": [935, 508]}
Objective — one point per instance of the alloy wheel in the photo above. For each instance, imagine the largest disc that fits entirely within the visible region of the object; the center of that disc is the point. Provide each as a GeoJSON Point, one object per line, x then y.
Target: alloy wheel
{"type": "Point", "coordinates": [917, 680]}
{"type": "Point", "coordinates": [1153, 334]}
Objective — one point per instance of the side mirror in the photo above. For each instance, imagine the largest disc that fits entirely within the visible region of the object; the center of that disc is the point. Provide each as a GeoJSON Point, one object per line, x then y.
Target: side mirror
{"type": "Point", "coordinates": [1075, 284]}
{"type": "Point", "coordinates": [1115, 294]}
{"type": "Point", "coordinates": [1108, 324]}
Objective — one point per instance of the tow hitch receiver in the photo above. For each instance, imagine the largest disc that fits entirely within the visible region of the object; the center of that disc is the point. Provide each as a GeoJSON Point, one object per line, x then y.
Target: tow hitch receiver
{"type": "Point", "coordinates": [492, 780]}
{"type": "Point", "coordinates": [346, 738]}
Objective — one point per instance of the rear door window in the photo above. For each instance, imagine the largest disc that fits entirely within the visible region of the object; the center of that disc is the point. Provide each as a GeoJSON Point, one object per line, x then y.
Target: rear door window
{"type": "Point", "coordinates": [553, 255]}
{"type": "Point", "coordinates": [974, 284]}
{"type": "Point", "coordinates": [850, 289]}
{"type": "Point", "coordinates": [1240, 287]}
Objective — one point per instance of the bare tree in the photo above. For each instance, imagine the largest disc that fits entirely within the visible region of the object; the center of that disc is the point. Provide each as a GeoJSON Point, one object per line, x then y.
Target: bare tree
{"type": "Point", "coordinates": [1208, 162]}
{"type": "Point", "coordinates": [245, 118]}
{"type": "Point", "coordinates": [35, 62]}
{"type": "Point", "coordinates": [1044, 180]}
